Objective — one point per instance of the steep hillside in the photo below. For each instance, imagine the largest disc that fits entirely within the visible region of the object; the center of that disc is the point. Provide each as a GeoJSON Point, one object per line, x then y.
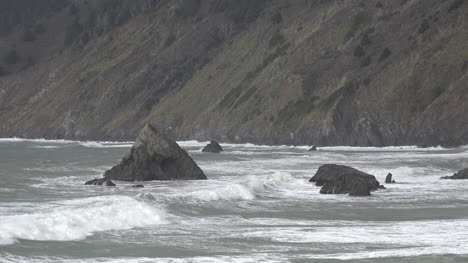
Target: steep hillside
{"type": "Point", "coordinates": [265, 71]}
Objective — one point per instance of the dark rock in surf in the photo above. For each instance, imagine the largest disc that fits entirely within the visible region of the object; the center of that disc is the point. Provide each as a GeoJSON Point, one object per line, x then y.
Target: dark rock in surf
{"type": "Point", "coordinates": [313, 148]}
{"type": "Point", "coordinates": [213, 147]}
{"type": "Point", "coordinates": [102, 181]}
{"type": "Point", "coordinates": [155, 157]}
{"type": "Point", "coordinates": [340, 179]}
{"type": "Point", "coordinates": [138, 186]}
{"type": "Point", "coordinates": [462, 174]}
{"type": "Point", "coordinates": [388, 179]}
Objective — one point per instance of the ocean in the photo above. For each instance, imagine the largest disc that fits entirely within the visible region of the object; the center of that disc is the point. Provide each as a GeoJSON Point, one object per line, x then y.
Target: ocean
{"type": "Point", "coordinates": [256, 206]}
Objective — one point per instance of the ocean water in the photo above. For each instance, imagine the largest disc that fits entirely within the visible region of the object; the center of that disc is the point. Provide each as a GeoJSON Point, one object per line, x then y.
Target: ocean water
{"type": "Point", "coordinates": [257, 206]}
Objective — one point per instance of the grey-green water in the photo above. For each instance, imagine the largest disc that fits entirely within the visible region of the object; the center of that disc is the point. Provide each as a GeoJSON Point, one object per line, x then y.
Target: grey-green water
{"type": "Point", "coordinates": [257, 206]}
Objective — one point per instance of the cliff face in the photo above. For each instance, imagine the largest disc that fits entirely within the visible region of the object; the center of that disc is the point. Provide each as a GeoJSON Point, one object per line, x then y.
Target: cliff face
{"type": "Point", "coordinates": [295, 72]}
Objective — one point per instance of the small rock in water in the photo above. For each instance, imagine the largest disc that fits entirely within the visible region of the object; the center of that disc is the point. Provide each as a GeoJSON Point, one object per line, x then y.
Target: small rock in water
{"type": "Point", "coordinates": [462, 174]}
{"type": "Point", "coordinates": [313, 148]}
{"type": "Point", "coordinates": [340, 179]}
{"type": "Point", "coordinates": [138, 186]}
{"type": "Point", "coordinates": [388, 179]}
{"type": "Point", "coordinates": [102, 181]}
{"type": "Point", "coordinates": [213, 147]}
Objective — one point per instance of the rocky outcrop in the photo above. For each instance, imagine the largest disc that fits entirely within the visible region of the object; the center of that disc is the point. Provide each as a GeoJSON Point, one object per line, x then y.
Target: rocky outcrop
{"type": "Point", "coordinates": [154, 156]}
{"type": "Point", "coordinates": [101, 181]}
{"type": "Point", "coordinates": [388, 179]}
{"type": "Point", "coordinates": [340, 179]}
{"type": "Point", "coordinates": [321, 72]}
{"type": "Point", "coordinates": [462, 174]}
{"type": "Point", "coordinates": [213, 147]}
{"type": "Point", "coordinates": [313, 148]}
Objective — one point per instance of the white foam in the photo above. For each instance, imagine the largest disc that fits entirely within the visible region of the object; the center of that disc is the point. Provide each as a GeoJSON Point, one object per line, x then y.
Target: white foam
{"type": "Point", "coordinates": [45, 146]}
{"type": "Point", "coordinates": [247, 190]}
{"type": "Point", "coordinates": [407, 238]}
{"type": "Point", "coordinates": [92, 144]}
{"type": "Point", "coordinates": [192, 143]}
{"type": "Point", "coordinates": [15, 139]}
{"type": "Point", "coordinates": [88, 216]}
{"type": "Point", "coordinates": [249, 258]}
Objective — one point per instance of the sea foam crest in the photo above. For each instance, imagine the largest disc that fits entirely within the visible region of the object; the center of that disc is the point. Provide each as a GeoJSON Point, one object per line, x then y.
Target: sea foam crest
{"type": "Point", "coordinates": [90, 215]}
{"type": "Point", "coordinates": [246, 190]}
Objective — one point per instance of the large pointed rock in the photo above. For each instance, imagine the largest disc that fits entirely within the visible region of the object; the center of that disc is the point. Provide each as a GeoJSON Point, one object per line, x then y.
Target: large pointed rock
{"type": "Point", "coordinates": [155, 157]}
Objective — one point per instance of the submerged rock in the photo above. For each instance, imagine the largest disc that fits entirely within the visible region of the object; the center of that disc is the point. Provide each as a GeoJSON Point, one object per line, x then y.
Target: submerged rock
{"type": "Point", "coordinates": [340, 179]}
{"type": "Point", "coordinates": [462, 174]}
{"type": "Point", "coordinates": [102, 181]}
{"type": "Point", "coordinates": [388, 179]}
{"type": "Point", "coordinates": [155, 157]}
{"type": "Point", "coordinates": [313, 148]}
{"type": "Point", "coordinates": [213, 147]}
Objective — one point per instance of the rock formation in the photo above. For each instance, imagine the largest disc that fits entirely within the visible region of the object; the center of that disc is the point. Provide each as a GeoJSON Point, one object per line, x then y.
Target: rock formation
{"type": "Point", "coordinates": [388, 179]}
{"type": "Point", "coordinates": [462, 174]}
{"type": "Point", "coordinates": [101, 181]}
{"type": "Point", "coordinates": [155, 157]}
{"type": "Point", "coordinates": [327, 72]}
{"type": "Point", "coordinates": [340, 179]}
{"type": "Point", "coordinates": [313, 148]}
{"type": "Point", "coordinates": [213, 147]}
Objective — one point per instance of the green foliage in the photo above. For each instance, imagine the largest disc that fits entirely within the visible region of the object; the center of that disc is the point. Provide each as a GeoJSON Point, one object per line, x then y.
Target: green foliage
{"type": "Point", "coordinates": [2, 71]}
{"type": "Point", "coordinates": [359, 52]}
{"type": "Point", "coordinates": [277, 18]}
{"type": "Point", "coordinates": [39, 29]}
{"type": "Point", "coordinates": [436, 92]}
{"type": "Point", "coordinates": [276, 40]}
{"type": "Point", "coordinates": [424, 26]}
{"type": "Point", "coordinates": [170, 39]}
{"type": "Point", "coordinates": [365, 40]}
{"type": "Point", "coordinates": [359, 20]}
{"type": "Point", "coordinates": [16, 12]}
{"type": "Point", "coordinates": [295, 110]}
{"type": "Point", "coordinates": [241, 11]}
{"type": "Point", "coordinates": [11, 57]}
{"type": "Point", "coordinates": [385, 54]}
{"type": "Point", "coordinates": [28, 36]}
{"type": "Point", "coordinates": [245, 97]}
{"type": "Point", "coordinates": [366, 62]}
{"type": "Point", "coordinates": [72, 32]}
{"type": "Point", "coordinates": [188, 8]}
{"type": "Point", "coordinates": [124, 17]}
{"type": "Point", "coordinates": [92, 20]}
{"type": "Point", "coordinates": [455, 5]}
{"type": "Point", "coordinates": [73, 10]}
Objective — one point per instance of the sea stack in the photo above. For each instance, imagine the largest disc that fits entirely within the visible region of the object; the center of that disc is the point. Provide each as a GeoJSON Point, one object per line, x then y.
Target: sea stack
{"type": "Point", "coordinates": [340, 179]}
{"type": "Point", "coordinates": [154, 156]}
{"type": "Point", "coordinates": [213, 147]}
{"type": "Point", "coordinates": [313, 148]}
{"type": "Point", "coordinates": [462, 174]}
{"type": "Point", "coordinates": [388, 179]}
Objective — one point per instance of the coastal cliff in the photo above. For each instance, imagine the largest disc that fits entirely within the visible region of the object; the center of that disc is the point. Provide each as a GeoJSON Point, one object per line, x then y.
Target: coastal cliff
{"type": "Point", "coordinates": [355, 73]}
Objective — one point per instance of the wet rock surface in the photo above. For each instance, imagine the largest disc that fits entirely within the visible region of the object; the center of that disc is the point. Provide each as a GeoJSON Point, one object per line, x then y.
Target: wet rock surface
{"type": "Point", "coordinates": [340, 179]}
{"type": "Point", "coordinates": [213, 147]}
{"type": "Point", "coordinates": [101, 181]}
{"type": "Point", "coordinates": [462, 174]}
{"type": "Point", "coordinates": [155, 157]}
